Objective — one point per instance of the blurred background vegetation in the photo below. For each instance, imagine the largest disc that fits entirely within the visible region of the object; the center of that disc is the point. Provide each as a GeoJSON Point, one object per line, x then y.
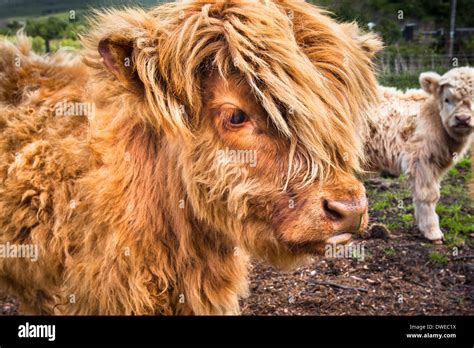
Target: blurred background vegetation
{"type": "Point", "coordinates": [415, 32]}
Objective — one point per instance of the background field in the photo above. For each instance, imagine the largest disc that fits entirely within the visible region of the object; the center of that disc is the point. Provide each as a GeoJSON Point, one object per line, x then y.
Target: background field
{"type": "Point", "coordinates": [55, 24]}
{"type": "Point", "coordinates": [23, 9]}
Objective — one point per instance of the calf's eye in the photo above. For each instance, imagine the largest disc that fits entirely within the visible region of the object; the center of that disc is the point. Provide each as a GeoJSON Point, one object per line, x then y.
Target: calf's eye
{"type": "Point", "coordinates": [238, 117]}
{"type": "Point", "coordinates": [446, 101]}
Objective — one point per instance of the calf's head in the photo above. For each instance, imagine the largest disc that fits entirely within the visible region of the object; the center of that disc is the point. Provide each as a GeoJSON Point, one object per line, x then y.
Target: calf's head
{"type": "Point", "coordinates": [454, 92]}
{"type": "Point", "coordinates": [259, 105]}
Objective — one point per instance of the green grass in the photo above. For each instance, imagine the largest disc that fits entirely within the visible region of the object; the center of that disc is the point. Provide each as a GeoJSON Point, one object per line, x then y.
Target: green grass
{"type": "Point", "coordinates": [393, 226]}
{"type": "Point", "coordinates": [389, 251]}
{"type": "Point", "coordinates": [64, 15]}
{"type": "Point", "coordinates": [438, 258]}
{"type": "Point", "coordinates": [468, 176]}
{"type": "Point", "coordinates": [456, 224]}
{"type": "Point", "coordinates": [447, 190]}
{"type": "Point", "coordinates": [380, 205]}
{"type": "Point", "coordinates": [390, 196]}
{"type": "Point", "coordinates": [454, 209]}
{"type": "Point", "coordinates": [21, 9]}
{"type": "Point", "coordinates": [404, 81]}
{"type": "Point", "coordinates": [399, 81]}
{"type": "Point", "coordinates": [453, 171]}
{"type": "Point", "coordinates": [465, 163]}
{"type": "Point", "coordinates": [407, 217]}
{"type": "Point", "coordinates": [38, 43]}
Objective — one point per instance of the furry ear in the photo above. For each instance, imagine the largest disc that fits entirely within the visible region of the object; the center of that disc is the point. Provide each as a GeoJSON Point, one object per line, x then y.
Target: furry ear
{"type": "Point", "coordinates": [370, 42]}
{"type": "Point", "coordinates": [118, 58]}
{"type": "Point", "coordinates": [429, 81]}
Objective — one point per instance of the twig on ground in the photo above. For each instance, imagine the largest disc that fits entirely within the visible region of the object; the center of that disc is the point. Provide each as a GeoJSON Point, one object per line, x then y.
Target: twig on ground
{"type": "Point", "coordinates": [340, 286]}
{"type": "Point", "coordinates": [463, 257]}
{"type": "Point", "coordinates": [405, 245]}
{"type": "Point", "coordinates": [370, 281]}
{"type": "Point", "coordinates": [414, 282]}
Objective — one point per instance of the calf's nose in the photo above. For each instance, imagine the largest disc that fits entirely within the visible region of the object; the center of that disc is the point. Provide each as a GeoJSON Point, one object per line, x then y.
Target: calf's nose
{"type": "Point", "coordinates": [346, 215]}
{"type": "Point", "coordinates": [462, 118]}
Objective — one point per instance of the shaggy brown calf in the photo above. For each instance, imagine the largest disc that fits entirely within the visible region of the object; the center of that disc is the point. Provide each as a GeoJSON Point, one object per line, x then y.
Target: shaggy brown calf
{"type": "Point", "coordinates": [422, 133]}
{"type": "Point", "coordinates": [214, 130]}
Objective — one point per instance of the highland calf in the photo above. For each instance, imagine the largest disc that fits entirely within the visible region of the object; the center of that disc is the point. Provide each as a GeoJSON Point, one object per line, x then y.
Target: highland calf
{"type": "Point", "coordinates": [422, 133]}
{"type": "Point", "coordinates": [135, 207]}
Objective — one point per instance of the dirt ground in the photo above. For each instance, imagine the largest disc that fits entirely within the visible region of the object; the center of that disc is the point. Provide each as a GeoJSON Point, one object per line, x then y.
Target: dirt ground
{"type": "Point", "coordinates": [401, 273]}
{"type": "Point", "coordinates": [404, 282]}
{"type": "Point", "coordinates": [398, 272]}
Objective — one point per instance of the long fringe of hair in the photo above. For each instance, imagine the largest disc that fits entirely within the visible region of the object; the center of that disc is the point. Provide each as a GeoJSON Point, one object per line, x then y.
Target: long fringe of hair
{"type": "Point", "coordinates": [308, 72]}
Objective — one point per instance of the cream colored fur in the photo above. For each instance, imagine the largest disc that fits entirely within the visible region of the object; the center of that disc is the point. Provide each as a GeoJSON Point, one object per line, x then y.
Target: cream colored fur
{"type": "Point", "coordinates": [416, 133]}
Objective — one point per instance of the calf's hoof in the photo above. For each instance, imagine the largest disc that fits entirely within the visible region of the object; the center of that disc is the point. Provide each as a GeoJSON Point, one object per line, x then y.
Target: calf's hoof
{"type": "Point", "coordinates": [434, 235]}
{"type": "Point", "coordinates": [437, 241]}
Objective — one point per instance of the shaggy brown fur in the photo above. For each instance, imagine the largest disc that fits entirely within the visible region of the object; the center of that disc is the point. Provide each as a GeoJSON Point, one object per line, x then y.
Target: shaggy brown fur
{"type": "Point", "coordinates": [131, 210]}
{"type": "Point", "coordinates": [422, 133]}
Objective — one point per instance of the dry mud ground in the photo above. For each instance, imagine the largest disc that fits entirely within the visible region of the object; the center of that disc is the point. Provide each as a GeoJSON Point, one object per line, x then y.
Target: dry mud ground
{"type": "Point", "coordinates": [400, 272]}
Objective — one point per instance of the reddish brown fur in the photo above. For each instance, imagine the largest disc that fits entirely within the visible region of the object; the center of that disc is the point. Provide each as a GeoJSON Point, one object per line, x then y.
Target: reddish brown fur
{"type": "Point", "coordinates": [130, 209]}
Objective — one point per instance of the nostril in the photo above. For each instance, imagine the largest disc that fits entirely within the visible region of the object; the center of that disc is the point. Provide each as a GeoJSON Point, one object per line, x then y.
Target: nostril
{"type": "Point", "coordinates": [347, 216]}
{"type": "Point", "coordinates": [332, 211]}
{"type": "Point", "coordinates": [462, 118]}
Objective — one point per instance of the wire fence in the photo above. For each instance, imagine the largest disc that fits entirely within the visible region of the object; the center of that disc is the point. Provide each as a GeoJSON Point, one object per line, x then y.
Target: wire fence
{"type": "Point", "coordinates": [400, 64]}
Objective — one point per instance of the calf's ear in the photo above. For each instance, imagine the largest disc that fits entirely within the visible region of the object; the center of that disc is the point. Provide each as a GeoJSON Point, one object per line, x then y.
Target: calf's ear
{"type": "Point", "coordinates": [369, 42]}
{"type": "Point", "coordinates": [117, 56]}
{"type": "Point", "coordinates": [429, 82]}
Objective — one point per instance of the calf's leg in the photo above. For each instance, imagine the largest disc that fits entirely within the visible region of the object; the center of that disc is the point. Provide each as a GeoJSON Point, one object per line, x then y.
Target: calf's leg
{"type": "Point", "coordinates": [425, 190]}
{"type": "Point", "coordinates": [428, 221]}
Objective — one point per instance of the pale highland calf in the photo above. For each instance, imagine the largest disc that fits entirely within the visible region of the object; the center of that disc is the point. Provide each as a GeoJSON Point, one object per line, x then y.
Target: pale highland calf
{"type": "Point", "coordinates": [215, 130]}
{"type": "Point", "coordinates": [422, 133]}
